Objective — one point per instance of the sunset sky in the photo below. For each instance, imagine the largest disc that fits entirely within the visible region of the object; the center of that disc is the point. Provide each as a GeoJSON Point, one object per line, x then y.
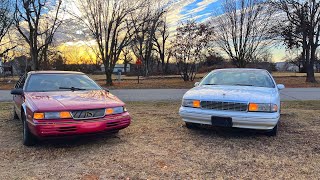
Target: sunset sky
{"type": "Point", "coordinates": [181, 10]}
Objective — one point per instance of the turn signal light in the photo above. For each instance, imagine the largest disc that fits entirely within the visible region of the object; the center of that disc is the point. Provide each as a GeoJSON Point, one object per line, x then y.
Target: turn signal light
{"type": "Point", "coordinates": [196, 104]}
{"type": "Point", "coordinates": [65, 115]}
{"type": "Point", "coordinates": [253, 107]}
{"type": "Point", "coordinates": [109, 111]}
{"type": "Point", "coordinates": [38, 115]}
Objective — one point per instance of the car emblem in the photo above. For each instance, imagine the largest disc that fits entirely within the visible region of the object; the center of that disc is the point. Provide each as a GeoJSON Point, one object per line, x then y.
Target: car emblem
{"type": "Point", "coordinates": [89, 114]}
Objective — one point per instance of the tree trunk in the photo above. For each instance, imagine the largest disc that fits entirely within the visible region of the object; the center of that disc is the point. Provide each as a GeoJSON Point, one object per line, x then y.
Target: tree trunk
{"type": "Point", "coordinates": [310, 74]}
{"type": "Point", "coordinates": [167, 64]}
{"type": "Point", "coordinates": [242, 63]}
{"type": "Point", "coordinates": [109, 78]}
{"type": "Point", "coordinates": [158, 67]}
{"type": "Point", "coordinates": [162, 63]}
{"type": "Point", "coordinates": [146, 68]}
{"type": "Point", "coordinates": [310, 68]}
{"type": "Point", "coordinates": [185, 73]}
{"type": "Point", "coordinates": [185, 77]}
{"type": "Point", "coordinates": [45, 63]}
{"type": "Point", "coordinates": [34, 58]}
{"type": "Point", "coordinates": [125, 67]}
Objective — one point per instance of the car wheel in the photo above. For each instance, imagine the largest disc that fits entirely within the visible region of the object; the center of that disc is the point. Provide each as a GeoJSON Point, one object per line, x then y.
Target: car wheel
{"type": "Point", "coordinates": [28, 137]}
{"type": "Point", "coordinates": [273, 132]}
{"type": "Point", "coordinates": [15, 115]}
{"type": "Point", "coordinates": [114, 132]}
{"type": "Point", "coordinates": [191, 125]}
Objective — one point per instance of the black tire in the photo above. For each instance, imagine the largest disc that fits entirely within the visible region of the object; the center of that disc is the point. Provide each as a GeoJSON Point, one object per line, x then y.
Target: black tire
{"type": "Point", "coordinates": [28, 137]}
{"type": "Point", "coordinates": [15, 115]}
{"type": "Point", "coordinates": [191, 125]}
{"type": "Point", "coordinates": [114, 132]}
{"type": "Point", "coordinates": [273, 132]}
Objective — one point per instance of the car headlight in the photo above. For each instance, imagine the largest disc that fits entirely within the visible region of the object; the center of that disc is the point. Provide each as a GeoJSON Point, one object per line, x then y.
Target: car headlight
{"type": "Point", "coordinates": [191, 103]}
{"type": "Point", "coordinates": [115, 110]}
{"type": "Point", "coordinates": [263, 107]}
{"type": "Point", "coordinates": [52, 115]}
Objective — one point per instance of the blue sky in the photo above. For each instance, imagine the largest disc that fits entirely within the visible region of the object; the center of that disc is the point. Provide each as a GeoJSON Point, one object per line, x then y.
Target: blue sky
{"type": "Point", "coordinates": [200, 10]}
{"type": "Point", "coordinates": [205, 12]}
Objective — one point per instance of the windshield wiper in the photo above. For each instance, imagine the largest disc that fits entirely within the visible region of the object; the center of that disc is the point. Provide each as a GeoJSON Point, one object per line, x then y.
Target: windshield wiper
{"type": "Point", "coordinates": [210, 84]}
{"type": "Point", "coordinates": [243, 84]}
{"type": "Point", "coordinates": [72, 88]}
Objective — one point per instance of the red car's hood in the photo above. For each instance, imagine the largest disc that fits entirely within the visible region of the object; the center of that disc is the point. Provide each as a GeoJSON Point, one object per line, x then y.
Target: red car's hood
{"type": "Point", "coordinates": [68, 100]}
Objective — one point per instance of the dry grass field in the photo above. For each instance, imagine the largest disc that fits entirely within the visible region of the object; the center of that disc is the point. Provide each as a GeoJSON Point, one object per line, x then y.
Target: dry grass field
{"type": "Point", "coordinates": [290, 80]}
{"type": "Point", "coordinates": [158, 146]}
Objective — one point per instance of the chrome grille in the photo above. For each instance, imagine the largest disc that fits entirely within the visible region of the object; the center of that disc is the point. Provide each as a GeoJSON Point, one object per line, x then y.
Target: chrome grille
{"type": "Point", "coordinates": [88, 114]}
{"type": "Point", "coordinates": [224, 106]}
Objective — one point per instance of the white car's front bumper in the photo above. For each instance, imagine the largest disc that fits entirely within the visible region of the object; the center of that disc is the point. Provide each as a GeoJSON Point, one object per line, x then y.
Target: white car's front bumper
{"type": "Point", "coordinates": [250, 120]}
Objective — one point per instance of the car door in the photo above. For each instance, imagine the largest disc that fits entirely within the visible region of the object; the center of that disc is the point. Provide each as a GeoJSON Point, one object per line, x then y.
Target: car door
{"type": "Point", "coordinates": [19, 99]}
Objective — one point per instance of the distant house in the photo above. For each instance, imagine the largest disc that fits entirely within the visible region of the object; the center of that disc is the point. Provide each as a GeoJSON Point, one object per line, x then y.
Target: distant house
{"type": "Point", "coordinates": [286, 66]}
{"type": "Point", "coordinates": [117, 68]}
{"type": "Point", "coordinates": [18, 65]}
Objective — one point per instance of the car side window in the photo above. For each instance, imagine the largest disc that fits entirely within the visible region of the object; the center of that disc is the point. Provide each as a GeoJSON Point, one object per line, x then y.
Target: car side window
{"type": "Point", "coordinates": [21, 82]}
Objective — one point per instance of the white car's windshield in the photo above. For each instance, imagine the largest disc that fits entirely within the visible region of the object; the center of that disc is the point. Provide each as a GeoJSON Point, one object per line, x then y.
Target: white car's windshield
{"type": "Point", "coordinates": [255, 78]}
{"type": "Point", "coordinates": [60, 82]}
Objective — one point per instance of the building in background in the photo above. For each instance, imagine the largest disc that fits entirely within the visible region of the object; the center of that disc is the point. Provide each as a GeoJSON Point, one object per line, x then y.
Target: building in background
{"type": "Point", "coordinates": [17, 66]}
{"type": "Point", "coordinates": [118, 68]}
{"type": "Point", "coordinates": [286, 66]}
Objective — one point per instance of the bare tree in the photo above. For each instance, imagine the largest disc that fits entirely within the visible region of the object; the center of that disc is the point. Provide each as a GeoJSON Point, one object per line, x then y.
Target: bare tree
{"type": "Point", "coordinates": [243, 29]}
{"type": "Point", "coordinates": [189, 47]}
{"type": "Point", "coordinates": [127, 58]}
{"type": "Point", "coordinates": [160, 42]}
{"type": "Point", "coordinates": [108, 23]}
{"type": "Point", "coordinates": [301, 29]}
{"type": "Point", "coordinates": [294, 56]}
{"type": "Point", "coordinates": [145, 26]}
{"type": "Point", "coordinates": [6, 20]}
{"type": "Point", "coordinates": [37, 25]}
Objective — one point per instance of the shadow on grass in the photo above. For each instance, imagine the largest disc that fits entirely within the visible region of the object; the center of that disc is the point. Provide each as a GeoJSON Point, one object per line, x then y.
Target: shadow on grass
{"type": "Point", "coordinates": [227, 132]}
{"type": "Point", "coordinates": [81, 140]}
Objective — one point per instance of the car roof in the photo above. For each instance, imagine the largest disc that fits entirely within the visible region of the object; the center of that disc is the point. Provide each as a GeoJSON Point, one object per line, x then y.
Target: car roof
{"type": "Point", "coordinates": [54, 72]}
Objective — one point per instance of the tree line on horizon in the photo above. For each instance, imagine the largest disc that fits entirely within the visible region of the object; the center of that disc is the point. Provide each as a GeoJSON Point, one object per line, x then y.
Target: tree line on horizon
{"type": "Point", "coordinates": [243, 31]}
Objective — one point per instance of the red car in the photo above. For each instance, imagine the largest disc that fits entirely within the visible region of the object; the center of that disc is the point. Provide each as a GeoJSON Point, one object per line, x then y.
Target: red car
{"type": "Point", "coordinates": [63, 103]}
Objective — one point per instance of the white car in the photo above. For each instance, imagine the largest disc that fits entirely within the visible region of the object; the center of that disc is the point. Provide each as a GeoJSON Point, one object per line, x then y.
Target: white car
{"type": "Point", "coordinates": [242, 98]}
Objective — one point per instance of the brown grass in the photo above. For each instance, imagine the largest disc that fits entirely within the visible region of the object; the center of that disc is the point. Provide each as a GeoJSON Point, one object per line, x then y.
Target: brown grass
{"type": "Point", "coordinates": [286, 74]}
{"type": "Point", "coordinates": [290, 80]}
{"type": "Point", "coordinates": [296, 82]}
{"type": "Point", "coordinates": [158, 146]}
{"type": "Point", "coordinates": [162, 83]}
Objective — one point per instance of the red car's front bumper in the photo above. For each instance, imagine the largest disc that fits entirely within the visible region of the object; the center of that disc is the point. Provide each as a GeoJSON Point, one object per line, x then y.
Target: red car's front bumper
{"type": "Point", "coordinates": [47, 128]}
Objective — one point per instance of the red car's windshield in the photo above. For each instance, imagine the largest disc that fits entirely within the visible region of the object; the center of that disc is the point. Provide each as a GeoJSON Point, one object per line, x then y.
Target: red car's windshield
{"type": "Point", "coordinates": [60, 82]}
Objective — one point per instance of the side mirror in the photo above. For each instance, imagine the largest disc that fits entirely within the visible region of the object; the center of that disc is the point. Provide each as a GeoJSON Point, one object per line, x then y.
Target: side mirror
{"type": "Point", "coordinates": [196, 84]}
{"type": "Point", "coordinates": [18, 91]}
{"type": "Point", "coordinates": [280, 86]}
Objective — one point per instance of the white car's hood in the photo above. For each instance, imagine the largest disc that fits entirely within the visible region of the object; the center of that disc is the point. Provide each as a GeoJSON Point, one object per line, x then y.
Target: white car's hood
{"type": "Point", "coordinates": [232, 93]}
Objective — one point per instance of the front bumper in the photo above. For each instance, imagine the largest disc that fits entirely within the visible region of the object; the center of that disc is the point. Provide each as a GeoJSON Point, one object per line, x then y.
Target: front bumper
{"type": "Point", "coordinates": [250, 120]}
{"type": "Point", "coordinates": [48, 128]}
